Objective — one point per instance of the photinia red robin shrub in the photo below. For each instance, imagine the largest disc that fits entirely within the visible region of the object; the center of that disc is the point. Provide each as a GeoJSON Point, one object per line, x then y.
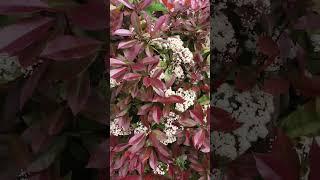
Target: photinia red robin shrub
{"type": "Point", "coordinates": [159, 79]}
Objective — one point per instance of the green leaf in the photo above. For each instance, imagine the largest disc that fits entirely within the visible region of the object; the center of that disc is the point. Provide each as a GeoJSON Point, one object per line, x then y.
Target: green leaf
{"type": "Point", "coordinates": [204, 100]}
{"type": "Point", "coordinates": [302, 122]}
{"type": "Point", "coordinates": [156, 7]}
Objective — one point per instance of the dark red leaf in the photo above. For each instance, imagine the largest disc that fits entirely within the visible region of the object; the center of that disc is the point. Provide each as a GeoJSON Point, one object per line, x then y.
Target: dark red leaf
{"type": "Point", "coordinates": [56, 121]}
{"type": "Point", "coordinates": [136, 22]}
{"type": "Point", "coordinates": [22, 6]}
{"type": "Point", "coordinates": [314, 160]}
{"type": "Point", "coordinates": [267, 46]}
{"type": "Point", "coordinates": [78, 91]}
{"type": "Point", "coordinates": [66, 47]}
{"type": "Point", "coordinates": [276, 86]}
{"type": "Point", "coordinates": [18, 36]}
{"type": "Point", "coordinates": [96, 157]}
{"type": "Point", "coordinates": [272, 166]}
{"type": "Point", "coordinates": [197, 115]}
{"type": "Point", "coordinates": [168, 100]}
{"type": "Point", "coordinates": [223, 121]}
{"type": "Point", "coordinates": [160, 147]}
{"type": "Point", "coordinates": [90, 16]}
{"type": "Point", "coordinates": [120, 147]}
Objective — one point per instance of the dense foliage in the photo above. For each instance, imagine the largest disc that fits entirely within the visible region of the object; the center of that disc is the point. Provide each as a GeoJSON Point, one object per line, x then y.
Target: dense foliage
{"type": "Point", "coordinates": [266, 88]}
{"type": "Point", "coordinates": [53, 106]}
{"type": "Point", "coordinates": [159, 78]}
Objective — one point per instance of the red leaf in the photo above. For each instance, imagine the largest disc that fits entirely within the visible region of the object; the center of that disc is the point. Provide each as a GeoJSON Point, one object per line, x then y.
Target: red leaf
{"type": "Point", "coordinates": [156, 114]}
{"type": "Point", "coordinates": [78, 91]}
{"type": "Point", "coordinates": [156, 83]}
{"type": "Point", "coordinates": [168, 100]}
{"type": "Point", "coordinates": [197, 115]}
{"type": "Point", "coordinates": [133, 52]}
{"type": "Point", "coordinates": [267, 46]}
{"type": "Point", "coordinates": [245, 80]}
{"type": "Point", "coordinates": [314, 160]}
{"type": "Point", "coordinates": [160, 22]}
{"type": "Point", "coordinates": [146, 155]}
{"type": "Point", "coordinates": [31, 84]}
{"type": "Point", "coordinates": [198, 138]}
{"type": "Point", "coordinates": [66, 47]}
{"type": "Point", "coordinates": [18, 36]}
{"type": "Point", "coordinates": [127, 44]}
{"type": "Point", "coordinates": [21, 6]}
{"type": "Point", "coordinates": [223, 121]}
{"type": "Point", "coordinates": [120, 147]}
{"type": "Point", "coordinates": [150, 60]}
{"type": "Point", "coordinates": [143, 110]}
{"type": "Point", "coordinates": [131, 76]}
{"type": "Point", "coordinates": [89, 16]}
{"type": "Point", "coordinates": [276, 86]}
{"type": "Point", "coordinates": [116, 62]}
{"type": "Point", "coordinates": [136, 22]}
{"type": "Point", "coordinates": [272, 164]}
{"type": "Point", "coordinates": [145, 4]}
{"type": "Point", "coordinates": [123, 32]}
{"type": "Point", "coordinates": [160, 147]}
{"type": "Point", "coordinates": [96, 158]}
{"type": "Point", "coordinates": [136, 139]}
{"type": "Point", "coordinates": [56, 121]}
{"type": "Point", "coordinates": [132, 177]}
{"type": "Point", "coordinates": [153, 160]}
{"type": "Point", "coordinates": [116, 73]}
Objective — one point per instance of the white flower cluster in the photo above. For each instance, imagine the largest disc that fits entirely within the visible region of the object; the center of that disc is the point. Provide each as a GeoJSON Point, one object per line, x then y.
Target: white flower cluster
{"type": "Point", "coordinates": [253, 109]}
{"type": "Point", "coordinates": [170, 130]}
{"type": "Point", "coordinates": [113, 83]}
{"type": "Point", "coordinates": [181, 55]}
{"type": "Point", "coordinates": [161, 168]}
{"type": "Point", "coordinates": [223, 34]}
{"type": "Point", "coordinates": [189, 96]}
{"type": "Point", "coordinates": [117, 130]}
{"type": "Point", "coordinates": [140, 129]}
{"type": "Point", "coordinates": [10, 68]}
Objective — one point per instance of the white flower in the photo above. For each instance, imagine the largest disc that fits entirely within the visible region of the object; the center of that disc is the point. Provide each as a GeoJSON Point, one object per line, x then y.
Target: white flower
{"type": "Point", "coordinates": [178, 72]}
{"type": "Point", "coordinates": [161, 168]}
{"type": "Point", "coordinates": [188, 96]}
{"type": "Point", "coordinates": [252, 108]}
{"type": "Point", "coordinates": [170, 129]}
{"type": "Point", "coordinates": [113, 83]}
{"type": "Point", "coordinates": [10, 68]}
{"type": "Point", "coordinates": [117, 130]}
{"type": "Point", "coordinates": [315, 39]}
{"type": "Point", "coordinates": [140, 129]}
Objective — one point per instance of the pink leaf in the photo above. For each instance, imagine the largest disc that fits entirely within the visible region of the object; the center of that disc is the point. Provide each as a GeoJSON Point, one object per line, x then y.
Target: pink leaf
{"type": "Point", "coordinates": [150, 60]}
{"type": "Point", "coordinates": [116, 62]}
{"type": "Point", "coordinates": [17, 37]}
{"type": "Point", "coordinates": [156, 114]}
{"type": "Point", "coordinates": [153, 161]}
{"type": "Point", "coordinates": [115, 73]}
{"type": "Point", "coordinates": [131, 76]}
{"type": "Point", "coordinates": [198, 138]}
{"type": "Point", "coordinates": [123, 32]}
{"type": "Point", "coordinates": [136, 139]}
{"type": "Point", "coordinates": [127, 44]}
